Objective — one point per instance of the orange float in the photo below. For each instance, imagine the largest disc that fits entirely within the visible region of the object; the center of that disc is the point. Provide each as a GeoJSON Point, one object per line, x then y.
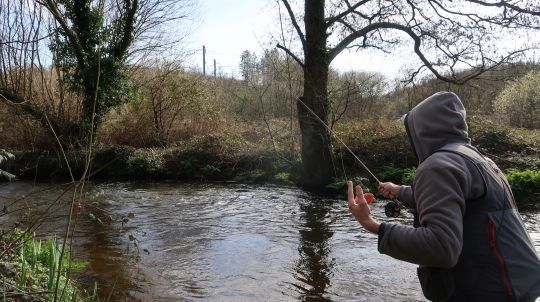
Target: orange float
{"type": "Point", "coordinates": [369, 197]}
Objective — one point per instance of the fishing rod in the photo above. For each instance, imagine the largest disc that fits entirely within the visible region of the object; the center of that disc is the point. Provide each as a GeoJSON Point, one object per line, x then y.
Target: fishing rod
{"type": "Point", "coordinates": [337, 137]}
{"type": "Point", "coordinates": [391, 209]}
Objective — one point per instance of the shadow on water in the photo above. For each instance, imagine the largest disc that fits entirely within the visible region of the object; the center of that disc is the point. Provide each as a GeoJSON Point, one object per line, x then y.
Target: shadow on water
{"type": "Point", "coordinates": [314, 267]}
{"type": "Point", "coordinates": [108, 264]}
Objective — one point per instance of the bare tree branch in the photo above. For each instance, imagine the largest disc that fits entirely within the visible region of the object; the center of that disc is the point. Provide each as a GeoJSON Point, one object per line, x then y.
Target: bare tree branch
{"type": "Point", "coordinates": [17, 101]}
{"type": "Point", "coordinates": [71, 35]}
{"type": "Point", "coordinates": [510, 21]}
{"type": "Point", "coordinates": [417, 43]}
{"type": "Point", "coordinates": [351, 8]}
{"type": "Point", "coordinates": [290, 53]}
{"type": "Point", "coordinates": [509, 5]}
{"type": "Point", "coordinates": [361, 33]}
{"type": "Point", "coordinates": [128, 28]}
{"type": "Point", "coordinates": [22, 42]}
{"type": "Point", "coordinates": [295, 22]}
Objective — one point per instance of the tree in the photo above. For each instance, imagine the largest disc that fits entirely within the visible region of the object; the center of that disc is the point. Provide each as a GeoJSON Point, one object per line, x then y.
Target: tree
{"type": "Point", "coordinates": [248, 65]}
{"type": "Point", "coordinates": [89, 44]}
{"type": "Point", "coordinates": [519, 102]}
{"type": "Point", "coordinates": [93, 54]}
{"type": "Point", "coordinates": [446, 37]}
{"type": "Point", "coordinates": [353, 94]}
{"type": "Point", "coordinates": [168, 93]}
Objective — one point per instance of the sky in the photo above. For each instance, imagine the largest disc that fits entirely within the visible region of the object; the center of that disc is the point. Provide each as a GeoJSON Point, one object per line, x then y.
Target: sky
{"type": "Point", "coordinates": [228, 27]}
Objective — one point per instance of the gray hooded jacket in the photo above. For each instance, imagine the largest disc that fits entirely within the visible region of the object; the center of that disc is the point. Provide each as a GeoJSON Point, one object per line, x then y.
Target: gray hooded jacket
{"type": "Point", "coordinates": [460, 197]}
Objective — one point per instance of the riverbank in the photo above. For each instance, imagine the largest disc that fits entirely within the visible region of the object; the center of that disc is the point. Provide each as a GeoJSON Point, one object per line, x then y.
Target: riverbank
{"type": "Point", "coordinates": [382, 145]}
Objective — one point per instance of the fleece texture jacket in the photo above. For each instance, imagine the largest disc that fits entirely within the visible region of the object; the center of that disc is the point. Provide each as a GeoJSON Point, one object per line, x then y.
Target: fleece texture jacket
{"type": "Point", "coordinates": [456, 193]}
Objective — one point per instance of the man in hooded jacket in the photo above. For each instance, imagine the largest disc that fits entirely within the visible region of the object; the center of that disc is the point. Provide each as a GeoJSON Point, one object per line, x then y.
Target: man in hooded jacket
{"type": "Point", "coordinates": [470, 242]}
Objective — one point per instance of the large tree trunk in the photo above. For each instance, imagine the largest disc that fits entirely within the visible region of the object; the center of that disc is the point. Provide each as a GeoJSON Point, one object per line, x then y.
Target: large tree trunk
{"type": "Point", "coordinates": [317, 155]}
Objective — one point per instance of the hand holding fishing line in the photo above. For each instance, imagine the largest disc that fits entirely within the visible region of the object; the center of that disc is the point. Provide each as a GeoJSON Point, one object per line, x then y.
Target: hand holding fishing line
{"type": "Point", "coordinates": [389, 190]}
{"type": "Point", "coordinates": [360, 208]}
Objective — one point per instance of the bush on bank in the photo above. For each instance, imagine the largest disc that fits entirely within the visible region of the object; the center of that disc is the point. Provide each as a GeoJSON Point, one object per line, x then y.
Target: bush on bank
{"type": "Point", "coordinates": [525, 185]}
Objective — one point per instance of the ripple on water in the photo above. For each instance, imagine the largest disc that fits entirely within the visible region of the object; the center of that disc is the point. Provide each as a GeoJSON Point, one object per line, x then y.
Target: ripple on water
{"type": "Point", "coordinates": [216, 242]}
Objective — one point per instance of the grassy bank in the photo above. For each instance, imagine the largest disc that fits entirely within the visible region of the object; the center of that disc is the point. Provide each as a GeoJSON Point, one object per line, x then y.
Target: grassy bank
{"type": "Point", "coordinates": [248, 155]}
{"type": "Point", "coordinates": [32, 270]}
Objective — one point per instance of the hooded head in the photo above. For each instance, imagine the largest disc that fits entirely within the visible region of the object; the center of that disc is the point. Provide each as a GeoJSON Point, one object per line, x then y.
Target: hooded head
{"type": "Point", "coordinates": [436, 121]}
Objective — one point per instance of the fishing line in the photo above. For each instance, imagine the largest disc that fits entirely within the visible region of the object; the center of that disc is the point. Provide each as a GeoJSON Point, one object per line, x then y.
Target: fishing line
{"type": "Point", "coordinates": [337, 137]}
{"type": "Point", "coordinates": [391, 209]}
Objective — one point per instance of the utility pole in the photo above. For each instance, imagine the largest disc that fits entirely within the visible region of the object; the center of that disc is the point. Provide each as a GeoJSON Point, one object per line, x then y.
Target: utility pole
{"type": "Point", "coordinates": [214, 68]}
{"type": "Point", "coordinates": [204, 60]}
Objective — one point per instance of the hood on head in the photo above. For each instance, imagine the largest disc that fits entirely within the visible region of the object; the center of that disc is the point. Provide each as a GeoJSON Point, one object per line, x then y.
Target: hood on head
{"type": "Point", "coordinates": [436, 121]}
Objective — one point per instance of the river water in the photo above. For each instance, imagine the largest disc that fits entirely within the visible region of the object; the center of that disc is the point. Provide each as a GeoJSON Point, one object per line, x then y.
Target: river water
{"type": "Point", "coordinates": [220, 242]}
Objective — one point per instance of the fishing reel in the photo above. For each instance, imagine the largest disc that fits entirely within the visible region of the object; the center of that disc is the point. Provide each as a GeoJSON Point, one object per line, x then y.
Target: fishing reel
{"type": "Point", "coordinates": [392, 209]}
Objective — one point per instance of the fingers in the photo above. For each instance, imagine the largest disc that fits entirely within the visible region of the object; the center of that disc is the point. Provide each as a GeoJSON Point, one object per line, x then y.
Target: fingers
{"type": "Point", "coordinates": [350, 193]}
{"type": "Point", "coordinates": [388, 189]}
{"type": "Point", "coordinates": [360, 194]}
{"type": "Point", "coordinates": [359, 207]}
{"type": "Point", "coordinates": [383, 188]}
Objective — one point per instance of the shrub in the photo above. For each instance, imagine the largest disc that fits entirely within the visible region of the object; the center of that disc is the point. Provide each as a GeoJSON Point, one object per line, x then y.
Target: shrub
{"type": "Point", "coordinates": [255, 176]}
{"type": "Point", "coordinates": [525, 184]}
{"type": "Point", "coordinates": [494, 138]}
{"type": "Point", "coordinates": [145, 165]}
{"type": "Point", "coordinates": [210, 171]}
{"type": "Point", "coordinates": [390, 173]}
{"type": "Point", "coordinates": [408, 176]}
{"type": "Point", "coordinates": [112, 161]}
{"type": "Point", "coordinates": [340, 185]}
{"type": "Point", "coordinates": [375, 142]}
{"type": "Point", "coordinates": [519, 103]}
{"type": "Point", "coordinates": [282, 177]}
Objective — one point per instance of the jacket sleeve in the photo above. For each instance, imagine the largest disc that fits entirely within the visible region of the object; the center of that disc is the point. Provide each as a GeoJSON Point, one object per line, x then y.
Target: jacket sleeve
{"type": "Point", "coordinates": [406, 196]}
{"type": "Point", "coordinates": [441, 186]}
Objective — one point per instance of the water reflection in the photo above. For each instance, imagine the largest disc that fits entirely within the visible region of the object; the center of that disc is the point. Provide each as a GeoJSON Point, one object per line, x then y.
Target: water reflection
{"type": "Point", "coordinates": [314, 266]}
{"type": "Point", "coordinates": [109, 261]}
{"type": "Point", "coordinates": [225, 242]}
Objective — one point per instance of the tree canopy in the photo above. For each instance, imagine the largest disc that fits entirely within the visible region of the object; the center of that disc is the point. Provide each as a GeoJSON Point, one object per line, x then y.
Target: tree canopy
{"type": "Point", "coordinates": [77, 51]}
{"type": "Point", "coordinates": [447, 38]}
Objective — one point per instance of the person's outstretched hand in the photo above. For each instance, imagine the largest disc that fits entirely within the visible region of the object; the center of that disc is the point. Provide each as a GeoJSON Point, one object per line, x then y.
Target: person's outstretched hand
{"type": "Point", "coordinates": [389, 190]}
{"type": "Point", "coordinates": [360, 209]}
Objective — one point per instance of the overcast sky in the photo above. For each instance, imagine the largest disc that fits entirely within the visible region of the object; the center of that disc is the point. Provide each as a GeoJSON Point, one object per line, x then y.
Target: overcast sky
{"type": "Point", "coordinates": [228, 27]}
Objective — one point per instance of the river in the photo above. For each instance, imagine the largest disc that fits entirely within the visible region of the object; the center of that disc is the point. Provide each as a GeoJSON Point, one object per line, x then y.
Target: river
{"type": "Point", "coordinates": [220, 242]}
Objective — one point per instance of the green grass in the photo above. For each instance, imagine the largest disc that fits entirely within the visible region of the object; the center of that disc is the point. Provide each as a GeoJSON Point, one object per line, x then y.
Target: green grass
{"type": "Point", "coordinates": [36, 264]}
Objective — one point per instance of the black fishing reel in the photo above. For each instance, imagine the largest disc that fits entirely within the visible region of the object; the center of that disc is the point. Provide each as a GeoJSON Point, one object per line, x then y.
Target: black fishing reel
{"type": "Point", "coordinates": [392, 209]}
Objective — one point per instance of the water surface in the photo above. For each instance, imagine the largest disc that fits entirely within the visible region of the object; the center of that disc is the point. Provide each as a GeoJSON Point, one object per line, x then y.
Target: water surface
{"type": "Point", "coordinates": [221, 242]}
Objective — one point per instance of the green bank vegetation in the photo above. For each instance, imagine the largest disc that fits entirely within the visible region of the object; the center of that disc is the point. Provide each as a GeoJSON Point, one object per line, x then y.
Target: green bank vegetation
{"type": "Point", "coordinates": [32, 270]}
